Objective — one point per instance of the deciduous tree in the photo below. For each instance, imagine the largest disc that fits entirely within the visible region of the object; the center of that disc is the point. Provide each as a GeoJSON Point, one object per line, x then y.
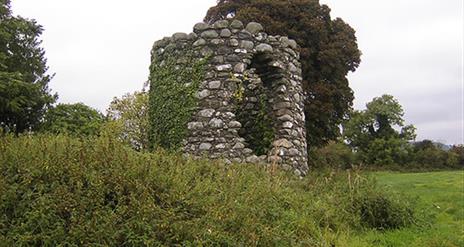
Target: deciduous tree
{"type": "Point", "coordinates": [75, 119]}
{"type": "Point", "coordinates": [379, 133]}
{"type": "Point", "coordinates": [130, 112]}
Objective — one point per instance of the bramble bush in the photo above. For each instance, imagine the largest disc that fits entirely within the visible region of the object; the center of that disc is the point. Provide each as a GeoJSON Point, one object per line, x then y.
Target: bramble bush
{"type": "Point", "coordinates": [334, 155]}
{"type": "Point", "coordinates": [60, 190]}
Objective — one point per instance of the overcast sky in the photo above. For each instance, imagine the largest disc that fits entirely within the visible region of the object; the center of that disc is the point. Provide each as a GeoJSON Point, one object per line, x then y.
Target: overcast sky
{"type": "Point", "coordinates": [412, 49]}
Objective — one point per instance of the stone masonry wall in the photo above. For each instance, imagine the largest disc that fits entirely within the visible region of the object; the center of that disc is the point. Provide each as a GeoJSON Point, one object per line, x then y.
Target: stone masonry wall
{"type": "Point", "coordinates": [245, 66]}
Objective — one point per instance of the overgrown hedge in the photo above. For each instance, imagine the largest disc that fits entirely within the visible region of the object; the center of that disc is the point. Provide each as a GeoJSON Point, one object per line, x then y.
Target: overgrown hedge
{"type": "Point", "coordinates": [99, 192]}
{"type": "Point", "coordinates": [413, 158]}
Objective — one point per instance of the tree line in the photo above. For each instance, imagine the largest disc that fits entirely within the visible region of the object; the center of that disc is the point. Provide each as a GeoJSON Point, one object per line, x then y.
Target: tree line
{"type": "Point", "coordinates": [335, 132]}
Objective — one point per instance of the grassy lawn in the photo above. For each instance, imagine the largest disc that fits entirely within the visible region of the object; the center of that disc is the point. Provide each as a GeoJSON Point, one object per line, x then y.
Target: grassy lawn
{"type": "Point", "coordinates": [440, 195]}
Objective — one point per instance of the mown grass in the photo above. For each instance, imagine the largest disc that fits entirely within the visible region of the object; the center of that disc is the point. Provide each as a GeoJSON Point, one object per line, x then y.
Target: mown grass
{"type": "Point", "coordinates": [439, 195]}
{"type": "Point", "coordinates": [63, 191]}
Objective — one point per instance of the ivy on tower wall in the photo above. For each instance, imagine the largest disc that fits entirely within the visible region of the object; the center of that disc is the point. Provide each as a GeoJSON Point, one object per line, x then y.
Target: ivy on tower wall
{"type": "Point", "coordinates": [173, 99]}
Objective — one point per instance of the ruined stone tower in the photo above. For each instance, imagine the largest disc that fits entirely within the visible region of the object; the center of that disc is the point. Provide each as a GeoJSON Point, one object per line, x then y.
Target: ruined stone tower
{"type": "Point", "coordinates": [251, 84]}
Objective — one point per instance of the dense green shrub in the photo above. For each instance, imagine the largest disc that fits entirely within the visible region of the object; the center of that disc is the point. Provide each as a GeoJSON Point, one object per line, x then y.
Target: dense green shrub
{"type": "Point", "coordinates": [459, 151]}
{"type": "Point", "coordinates": [435, 158]}
{"type": "Point", "coordinates": [381, 212]}
{"type": "Point", "coordinates": [336, 155]}
{"type": "Point", "coordinates": [386, 152]}
{"type": "Point", "coordinates": [100, 192]}
{"type": "Point", "coordinates": [429, 155]}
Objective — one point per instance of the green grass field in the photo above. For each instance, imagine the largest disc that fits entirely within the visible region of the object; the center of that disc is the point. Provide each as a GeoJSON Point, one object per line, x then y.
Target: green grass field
{"type": "Point", "coordinates": [439, 195]}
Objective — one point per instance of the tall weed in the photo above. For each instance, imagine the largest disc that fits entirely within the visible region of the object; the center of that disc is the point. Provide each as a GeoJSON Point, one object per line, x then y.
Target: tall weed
{"type": "Point", "coordinates": [59, 190]}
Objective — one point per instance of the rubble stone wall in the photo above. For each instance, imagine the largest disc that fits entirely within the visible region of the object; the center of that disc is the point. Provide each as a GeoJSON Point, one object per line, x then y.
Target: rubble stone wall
{"type": "Point", "coordinates": [251, 91]}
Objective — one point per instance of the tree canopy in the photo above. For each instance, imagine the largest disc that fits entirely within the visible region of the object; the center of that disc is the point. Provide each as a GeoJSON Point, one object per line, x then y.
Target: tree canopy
{"type": "Point", "coordinates": [75, 119]}
{"type": "Point", "coordinates": [24, 92]}
{"type": "Point", "coordinates": [379, 131]}
{"type": "Point", "coordinates": [329, 51]}
{"type": "Point", "coordinates": [130, 112]}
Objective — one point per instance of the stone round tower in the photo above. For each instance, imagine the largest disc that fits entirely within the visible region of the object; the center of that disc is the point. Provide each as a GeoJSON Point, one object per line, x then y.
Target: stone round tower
{"type": "Point", "coordinates": [250, 101]}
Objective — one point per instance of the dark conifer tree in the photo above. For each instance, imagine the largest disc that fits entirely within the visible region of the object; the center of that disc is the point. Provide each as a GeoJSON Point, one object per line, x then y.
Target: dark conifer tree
{"type": "Point", "coordinates": [24, 93]}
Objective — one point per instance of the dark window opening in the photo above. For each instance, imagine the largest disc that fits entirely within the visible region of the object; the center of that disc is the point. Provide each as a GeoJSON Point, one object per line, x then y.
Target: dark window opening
{"type": "Point", "coordinates": [255, 110]}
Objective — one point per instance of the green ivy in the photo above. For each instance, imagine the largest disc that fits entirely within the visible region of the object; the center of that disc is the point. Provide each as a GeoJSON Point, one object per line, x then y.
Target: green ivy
{"type": "Point", "coordinates": [173, 89]}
